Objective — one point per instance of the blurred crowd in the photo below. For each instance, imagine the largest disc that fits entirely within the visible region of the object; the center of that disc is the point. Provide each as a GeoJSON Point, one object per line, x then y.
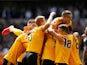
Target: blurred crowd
{"type": "Point", "coordinates": [32, 11]}
{"type": "Point", "coordinates": [18, 16]}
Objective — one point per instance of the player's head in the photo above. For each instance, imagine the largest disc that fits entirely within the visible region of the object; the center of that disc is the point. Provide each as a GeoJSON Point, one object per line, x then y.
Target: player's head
{"type": "Point", "coordinates": [31, 23]}
{"type": "Point", "coordinates": [40, 20]}
{"type": "Point", "coordinates": [67, 15]}
{"type": "Point", "coordinates": [76, 34]}
{"type": "Point", "coordinates": [63, 28]}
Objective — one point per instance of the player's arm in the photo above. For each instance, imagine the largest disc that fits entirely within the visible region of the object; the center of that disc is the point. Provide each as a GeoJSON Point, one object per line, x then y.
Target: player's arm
{"type": "Point", "coordinates": [54, 24]}
{"type": "Point", "coordinates": [52, 32]}
{"type": "Point", "coordinates": [44, 27]}
{"type": "Point", "coordinates": [16, 31]}
{"type": "Point", "coordinates": [24, 38]}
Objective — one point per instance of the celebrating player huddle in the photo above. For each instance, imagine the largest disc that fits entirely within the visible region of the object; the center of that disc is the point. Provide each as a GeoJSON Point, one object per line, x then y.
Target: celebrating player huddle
{"type": "Point", "coordinates": [44, 42]}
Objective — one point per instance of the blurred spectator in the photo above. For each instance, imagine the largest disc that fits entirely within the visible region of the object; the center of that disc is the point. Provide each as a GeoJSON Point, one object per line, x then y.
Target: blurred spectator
{"type": "Point", "coordinates": [5, 48]}
{"type": "Point", "coordinates": [13, 12]}
{"type": "Point", "coordinates": [22, 13]}
{"type": "Point", "coordinates": [28, 14]}
{"type": "Point", "coordinates": [38, 11]}
{"type": "Point", "coordinates": [53, 9]}
{"type": "Point", "coordinates": [84, 13]}
{"type": "Point", "coordinates": [60, 10]}
{"type": "Point", "coordinates": [1, 48]}
{"type": "Point", "coordinates": [76, 14]}
{"type": "Point", "coordinates": [1, 28]}
{"type": "Point", "coordinates": [6, 13]}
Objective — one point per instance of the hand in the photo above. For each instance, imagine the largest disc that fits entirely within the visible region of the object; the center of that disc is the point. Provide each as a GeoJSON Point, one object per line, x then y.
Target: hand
{"type": "Point", "coordinates": [50, 30]}
{"type": "Point", "coordinates": [53, 13]}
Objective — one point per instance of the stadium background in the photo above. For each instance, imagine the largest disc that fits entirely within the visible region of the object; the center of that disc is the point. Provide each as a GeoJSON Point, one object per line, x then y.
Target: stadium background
{"type": "Point", "coordinates": [17, 13]}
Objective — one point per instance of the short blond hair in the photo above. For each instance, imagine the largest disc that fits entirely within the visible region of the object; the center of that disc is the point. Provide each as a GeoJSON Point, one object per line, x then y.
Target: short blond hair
{"type": "Point", "coordinates": [39, 19]}
{"type": "Point", "coordinates": [66, 12]}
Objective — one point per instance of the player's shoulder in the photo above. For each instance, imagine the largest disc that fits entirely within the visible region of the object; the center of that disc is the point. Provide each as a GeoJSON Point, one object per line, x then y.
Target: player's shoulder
{"type": "Point", "coordinates": [58, 18]}
{"type": "Point", "coordinates": [33, 30]}
{"type": "Point", "coordinates": [23, 34]}
{"type": "Point", "coordinates": [71, 35]}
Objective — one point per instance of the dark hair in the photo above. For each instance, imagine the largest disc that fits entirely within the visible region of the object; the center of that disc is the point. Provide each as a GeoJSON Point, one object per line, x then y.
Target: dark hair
{"type": "Point", "coordinates": [64, 27]}
{"type": "Point", "coordinates": [31, 21]}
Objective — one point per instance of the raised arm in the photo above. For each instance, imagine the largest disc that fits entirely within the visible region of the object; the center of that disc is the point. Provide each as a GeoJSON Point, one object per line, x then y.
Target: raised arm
{"type": "Point", "coordinates": [52, 32]}
{"type": "Point", "coordinates": [44, 27]}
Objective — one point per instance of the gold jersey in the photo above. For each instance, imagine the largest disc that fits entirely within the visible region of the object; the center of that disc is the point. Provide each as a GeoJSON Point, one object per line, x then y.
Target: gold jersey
{"type": "Point", "coordinates": [17, 48]}
{"type": "Point", "coordinates": [36, 40]}
{"type": "Point", "coordinates": [49, 50]}
{"type": "Point", "coordinates": [63, 49]}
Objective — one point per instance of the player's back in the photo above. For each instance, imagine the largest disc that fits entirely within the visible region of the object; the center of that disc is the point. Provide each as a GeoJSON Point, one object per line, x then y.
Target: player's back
{"type": "Point", "coordinates": [16, 49]}
{"type": "Point", "coordinates": [49, 50]}
{"type": "Point", "coordinates": [63, 50]}
{"type": "Point", "coordinates": [36, 42]}
{"type": "Point", "coordinates": [74, 56]}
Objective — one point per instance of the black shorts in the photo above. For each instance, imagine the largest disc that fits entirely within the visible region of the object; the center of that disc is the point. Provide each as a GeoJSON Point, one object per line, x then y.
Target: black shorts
{"type": "Point", "coordinates": [6, 62]}
{"type": "Point", "coordinates": [30, 58]}
{"type": "Point", "coordinates": [19, 63]}
{"type": "Point", "coordinates": [47, 62]}
{"type": "Point", "coordinates": [85, 62]}
{"type": "Point", "coordinates": [62, 64]}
